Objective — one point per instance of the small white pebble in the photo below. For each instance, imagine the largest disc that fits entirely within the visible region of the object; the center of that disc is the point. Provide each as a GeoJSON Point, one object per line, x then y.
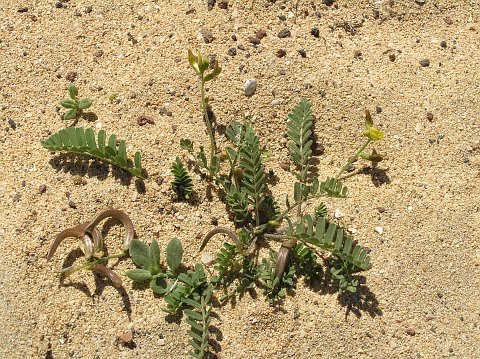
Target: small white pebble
{"type": "Point", "coordinates": [180, 217]}
{"type": "Point", "coordinates": [98, 125]}
{"type": "Point", "coordinates": [276, 102]}
{"type": "Point", "coordinates": [302, 333]}
{"type": "Point", "coordinates": [379, 230]}
{"type": "Point", "coordinates": [207, 259]}
{"type": "Point", "coordinates": [352, 230]}
{"type": "Point", "coordinates": [249, 87]}
{"type": "Point", "coordinates": [338, 213]}
{"type": "Point", "coordinates": [410, 208]}
{"type": "Point", "coordinates": [134, 196]}
{"type": "Point", "coordinates": [418, 128]}
{"type": "Point", "coordinates": [161, 342]}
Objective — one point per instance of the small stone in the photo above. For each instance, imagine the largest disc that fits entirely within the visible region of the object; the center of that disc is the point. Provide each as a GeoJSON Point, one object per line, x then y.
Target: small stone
{"type": "Point", "coordinates": [207, 258]}
{"type": "Point", "coordinates": [448, 20]}
{"type": "Point", "coordinates": [285, 165]}
{"type": "Point", "coordinates": [443, 44]}
{"type": "Point", "coordinates": [409, 208]}
{"type": "Point", "coordinates": [421, 2]}
{"type": "Point", "coordinates": [425, 62]}
{"type": "Point", "coordinates": [210, 4]}
{"type": "Point", "coordinates": [207, 36]}
{"type": "Point", "coordinates": [281, 53]}
{"type": "Point", "coordinates": [232, 51]}
{"type": "Point", "coordinates": [71, 76]}
{"type": "Point", "coordinates": [180, 217]}
{"type": "Point", "coordinates": [328, 2]}
{"type": "Point", "coordinates": [260, 34]}
{"type": "Point", "coordinates": [338, 214]}
{"type": "Point", "coordinates": [430, 317]}
{"type": "Point", "coordinates": [392, 57]}
{"type": "Point", "coordinates": [58, 5]}
{"type": "Point", "coordinates": [352, 230]}
{"type": "Point", "coordinates": [378, 109]}
{"type": "Point", "coordinates": [126, 340]}
{"type": "Point", "coordinates": [381, 209]}
{"type": "Point", "coordinates": [22, 9]}
{"type": "Point", "coordinates": [302, 53]}
{"type": "Point", "coordinates": [12, 124]}
{"type": "Point", "coordinates": [72, 204]}
{"type": "Point", "coordinates": [379, 230]}
{"type": "Point", "coordinates": [89, 9]}
{"type": "Point", "coordinates": [234, 37]}
{"type": "Point", "coordinates": [284, 33]}
{"type": "Point", "coordinates": [241, 47]}
{"type": "Point", "coordinates": [223, 4]}
{"type": "Point", "coordinates": [429, 116]}
{"type": "Point", "coordinates": [17, 197]}
{"type": "Point", "coordinates": [357, 54]}
{"type": "Point", "coordinates": [276, 102]}
{"type": "Point", "coordinates": [98, 53]}
{"type": "Point", "coordinates": [134, 197]}
{"type": "Point", "coordinates": [161, 342]}
{"type": "Point", "coordinates": [315, 32]}
{"type": "Point", "coordinates": [249, 87]}
{"type": "Point", "coordinates": [410, 331]}
{"type": "Point", "coordinates": [143, 120]}
{"type": "Point", "coordinates": [42, 189]}
{"type": "Point", "coordinates": [282, 17]}
{"type": "Point", "coordinates": [253, 40]}
{"type": "Point", "coordinates": [418, 128]}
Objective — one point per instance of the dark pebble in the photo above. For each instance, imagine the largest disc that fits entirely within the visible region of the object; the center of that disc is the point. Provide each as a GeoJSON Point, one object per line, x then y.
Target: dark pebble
{"type": "Point", "coordinates": [392, 57]}
{"type": "Point", "coordinates": [302, 52]}
{"type": "Point", "coordinates": [285, 165]}
{"type": "Point", "coordinates": [234, 37]}
{"type": "Point", "coordinates": [351, 168]}
{"type": "Point", "coordinates": [58, 5]}
{"type": "Point", "coordinates": [71, 76]}
{"type": "Point", "coordinates": [282, 17]}
{"type": "Point", "coordinates": [42, 189]}
{"type": "Point", "coordinates": [190, 11]}
{"type": "Point", "coordinates": [143, 120]}
{"type": "Point", "coordinates": [410, 331]}
{"type": "Point", "coordinates": [160, 180]}
{"type": "Point", "coordinates": [214, 221]}
{"type": "Point", "coordinates": [33, 18]}
{"type": "Point", "coordinates": [281, 53]}
{"type": "Point", "coordinates": [232, 51]}
{"type": "Point", "coordinates": [357, 54]}
{"type": "Point", "coordinates": [284, 33]}
{"type": "Point", "coordinates": [72, 204]}
{"type": "Point", "coordinates": [17, 197]}
{"type": "Point", "coordinates": [430, 116]}
{"type": "Point", "coordinates": [207, 36]}
{"type": "Point", "coordinates": [315, 32]}
{"type": "Point", "coordinates": [22, 9]}
{"type": "Point", "coordinates": [98, 53]}
{"type": "Point", "coordinates": [282, 72]}
{"type": "Point", "coordinates": [443, 44]}
{"type": "Point", "coordinates": [89, 9]}
{"type": "Point", "coordinates": [12, 124]}
{"type": "Point", "coordinates": [210, 4]}
{"type": "Point", "coordinates": [425, 62]}
{"type": "Point", "coordinates": [421, 2]}
{"type": "Point", "coordinates": [126, 340]}
{"type": "Point", "coordinates": [223, 4]}
{"type": "Point", "coordinates": [378, 109]}
{"type": "Point", "coordinates": [260, 34]}
{"type": "Point", "coordinates": [328, 2]}
{"type": "Point", "coordinates": [381, 209]}
{"type": "Point", "coordinates": [241, 68]}
{"type": "Point", "coordinates": [254, 40]}
{"type": "Point", "coordinates": [241, 47]}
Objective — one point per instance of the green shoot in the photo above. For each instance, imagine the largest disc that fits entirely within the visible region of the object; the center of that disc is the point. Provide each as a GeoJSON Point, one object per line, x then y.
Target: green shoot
{"type": "Point", "coordinates": [182, 183]}
{"type": "Point", "coordinates": [74, 105]}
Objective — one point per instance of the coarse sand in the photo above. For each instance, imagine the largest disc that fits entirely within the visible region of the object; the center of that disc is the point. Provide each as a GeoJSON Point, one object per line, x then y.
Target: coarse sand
{"type": "Point", "coordinates": [414, 66]}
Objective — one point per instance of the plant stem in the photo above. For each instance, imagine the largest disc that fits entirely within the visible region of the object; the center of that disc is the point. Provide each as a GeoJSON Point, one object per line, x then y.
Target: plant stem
{"type": "Point", "coordinates": [353, 158]}
{"type": "Point", "coordinates": [213, 146]}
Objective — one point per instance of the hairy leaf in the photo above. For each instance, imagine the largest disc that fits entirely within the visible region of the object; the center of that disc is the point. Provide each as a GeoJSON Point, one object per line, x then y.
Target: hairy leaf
{"type": "Point", "coordinates": [174, 254]}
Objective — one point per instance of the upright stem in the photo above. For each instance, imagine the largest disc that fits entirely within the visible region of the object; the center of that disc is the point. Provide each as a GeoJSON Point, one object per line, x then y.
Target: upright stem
{"type": "Point", "coordinates": [353, 158]}
{"type": "Point", "coordinates": [213, 146]}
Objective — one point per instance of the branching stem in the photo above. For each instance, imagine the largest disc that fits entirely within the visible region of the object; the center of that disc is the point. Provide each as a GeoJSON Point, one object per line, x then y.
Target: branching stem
{"type": "Point", "coordinates": [353, 158]}
{"type": "Point", "coordinates": [213, 146]}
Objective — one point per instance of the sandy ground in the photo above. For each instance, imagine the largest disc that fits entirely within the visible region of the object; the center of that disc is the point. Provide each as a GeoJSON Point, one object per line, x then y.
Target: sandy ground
{"type": "Point", "coordinates": [421, 298]}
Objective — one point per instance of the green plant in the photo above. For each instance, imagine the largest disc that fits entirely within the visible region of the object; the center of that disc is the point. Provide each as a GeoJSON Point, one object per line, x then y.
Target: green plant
{"type": "Point", "coordinates": [182, 290]}
{"type": "Point", "coordinates": [74, 105]}
{"type": "Point", "coordinates": [82, 141]}
{"type": "Point", "coordinates": [200, 65]}
{"type": "Point", "coordinates": [182, 183]}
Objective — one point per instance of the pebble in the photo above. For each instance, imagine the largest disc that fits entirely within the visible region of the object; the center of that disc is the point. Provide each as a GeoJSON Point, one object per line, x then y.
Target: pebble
{"type": "Point", "coordinates": [260, 34]}
{"type": "Point", "coordinates": [210, 4]}
{"type": "Point", "coordinates": [392, 57]}
{"type": "Point", "coordinates": [421, 2]}
{"type": "Point", "coordinates": [250, 87]}
{"type": "Point", "coordinates": [284, 33]}
{"type": "Point", "coordinates": [281, 53]}
{"type": "Point", "coordinates": [418, 128]}
{"type": "Point", "coordinates": [59, 5]}
{"type": "Point", "coordinates": [12, 124]}
{"type": "Point", "coordinates": [161, 342]}
{"type": "Point", "coordinates": [180, 217]}
{"type": "Point", "coordinates": [72, 204]}
{"type": "Point", "coordinates": [134, 197]}
{"type": "Point", "coordinates": [253, 40]}
{"type": "Point", "coordinates": [22, 9]}
{"type": "Point", "coordinates": [302, 53]}
{"type": "Point", "coordinates": [315, 32]}
{"type": "Point", "coordinates": [378, 109]}
{"type": "Point", "coordinates": [381, 209]}
{"type": "Point", "coordinates": [285, 165]}
{"type": "Point", "coordinates": [425, 62]}
{"type": "Point", "coordinates": [207, 259]}
{"type": "Point", "coordinates": [71, 76]}
{"type": "Point", "coordinates": [42, 189]}
{"type": "Point", "coordinates": [207, 36]}
{"type": "Point", "coordinates": [143, 120]}
{"type": "Point", "coordinates": [276, 102]}
{"type": "Point", "coordinates": [410, 208]}
{"type": "Point", "coordinates": [98, 53]}
{"type": "Point", "coordinates": [338, 213]}
{"type": "Point", "coordinates": [352, 230]}
{"type": "Point", "coordinates": [410, 331]}
{"type": "Point", "coordinates": [443, 44]}
{"type": "Point", "coordinates": [430, 116]}
{"type": "Point", "coordinates": [357, 54]}
{"type": "Point", "coordinates": [126, 339]}
{"type": "Point", "coordinates": [223, 4]}
{"type": "Point", "coordinates": [232, 51]}
{"type": "Point", "coordinates": [379, 230]}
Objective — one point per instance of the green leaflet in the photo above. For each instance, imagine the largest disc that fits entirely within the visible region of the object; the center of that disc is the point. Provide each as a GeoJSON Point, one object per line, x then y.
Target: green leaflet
{"type": "Point", "coordinates": [182, 183]}
{"type": "Point", "coordinates": [82, 141]}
